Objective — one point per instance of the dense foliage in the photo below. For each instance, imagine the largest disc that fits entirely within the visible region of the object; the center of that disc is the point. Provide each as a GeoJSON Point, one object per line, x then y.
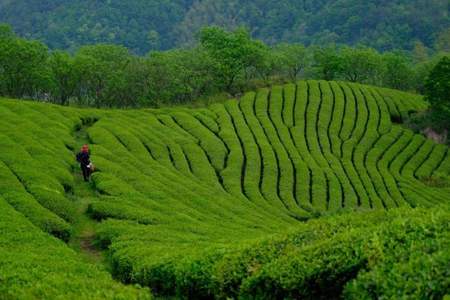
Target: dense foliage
{"type": "Point", "coordinates": [137, 24]}
{"type": "Point", "coordinates": [212, 202]}
{"type": "Point", "coordinates": [150, 25]}
{"type": "Point", "coordinates": [437, 91]}
{"type": "Point", "coordinates": [221, 63]}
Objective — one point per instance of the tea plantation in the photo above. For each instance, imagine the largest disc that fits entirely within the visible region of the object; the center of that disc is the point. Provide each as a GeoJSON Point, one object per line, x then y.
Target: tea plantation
{"type": "Point", "coordinates": [311, 190]}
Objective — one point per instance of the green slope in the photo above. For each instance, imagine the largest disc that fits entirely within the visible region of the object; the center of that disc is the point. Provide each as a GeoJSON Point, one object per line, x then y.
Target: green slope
{"type": "Point", "coordinates": [35, 265]}
{"type": "Point", "coordinates": [178, 190]}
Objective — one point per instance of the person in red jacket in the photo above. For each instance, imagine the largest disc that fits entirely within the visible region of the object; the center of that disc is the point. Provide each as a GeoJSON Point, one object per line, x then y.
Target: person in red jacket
{"type": "Point", "coordinates": [85, 163]}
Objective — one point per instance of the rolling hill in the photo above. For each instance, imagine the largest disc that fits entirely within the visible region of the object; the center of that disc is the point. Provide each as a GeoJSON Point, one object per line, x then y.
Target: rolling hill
{"type": "Point", "coordinates": [301, 190]}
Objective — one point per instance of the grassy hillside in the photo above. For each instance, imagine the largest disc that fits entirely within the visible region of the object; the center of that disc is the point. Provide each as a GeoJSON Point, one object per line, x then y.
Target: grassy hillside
{"type": "Point", "coordinates": [213, 202]}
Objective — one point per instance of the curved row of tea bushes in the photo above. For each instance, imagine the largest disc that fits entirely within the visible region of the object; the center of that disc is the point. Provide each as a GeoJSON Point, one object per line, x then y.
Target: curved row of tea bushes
{"type": "Point", "coordinates": [34, 265]}
{"type": "Point", "coordinates": [278, 156]}
{"type": "Point", "coordinates": [197, 202]}
{"type": "Point", "coordinates": [359, 255]}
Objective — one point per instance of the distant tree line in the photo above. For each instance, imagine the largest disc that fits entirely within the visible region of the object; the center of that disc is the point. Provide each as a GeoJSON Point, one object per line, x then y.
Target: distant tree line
{"type": "Point", "coordinates": [144, 25]}
{"type": "Point", "coordinates": [437, 94]}
{"type": "Point", "coordinates": [222, 62]}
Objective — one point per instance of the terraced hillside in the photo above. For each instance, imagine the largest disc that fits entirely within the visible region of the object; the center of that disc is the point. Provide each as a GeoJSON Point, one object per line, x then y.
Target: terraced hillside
{"type": "Point", "coordinates": [213, 202]}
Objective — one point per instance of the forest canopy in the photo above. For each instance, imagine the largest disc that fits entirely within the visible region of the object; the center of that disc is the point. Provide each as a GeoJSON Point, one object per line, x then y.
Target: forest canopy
{"type": "Point", "coordinates": [144, 25]}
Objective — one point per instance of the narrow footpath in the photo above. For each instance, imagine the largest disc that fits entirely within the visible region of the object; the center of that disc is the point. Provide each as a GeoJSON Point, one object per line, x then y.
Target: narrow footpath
{"type": "Point", "coordinates": [83, 193]}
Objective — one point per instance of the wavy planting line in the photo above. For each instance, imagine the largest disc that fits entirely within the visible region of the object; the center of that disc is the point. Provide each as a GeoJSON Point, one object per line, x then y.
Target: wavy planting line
{"type": "Point", "coordinates": [210, 164]}
{"type": "Point", "coordinates": [244, 155]}
{"type": "Point", "coordinates": [385, 121]}
{"type": "Point", "coordinates": [232, 174]}
{"type": "Point", "coordinates": [280, 136]}
{"type": "Point", "coordinates": [259, 157]}
{"type": "Point", "coordinates": [383, 168]}
{"type": "Point", "coordinates": [264, 95]}
{"type": "Point", "coordinates": [273, 127]}
{"type": "Point", "coordinates": [405, 141]}
{"type": "Point", "coordinates": [377, 178]}
{"type": "Point", "coordinates": [227, 149]}
{"type": "Point", "coordinates": [299, 166]}
{"type": "Point", "coordinates": [318, 138]}
{"type": "Point", "coordinates": [357, 155]}
{"type": "Point", "coordinates": [299, 137]}
{"type": "Point", "coordinates": [334, 161]}
{"type": "Point", "coordinates": [441, 164]}
{"type": "Point", "coordinates": [390, 104]}
{"type": "Point", "coordinates": [424, 158]}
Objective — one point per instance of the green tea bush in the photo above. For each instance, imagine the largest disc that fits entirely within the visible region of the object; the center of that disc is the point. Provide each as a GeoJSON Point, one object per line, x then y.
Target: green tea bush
{"type": "Point", "coordinates": [40, 216]}
{"type": "Point", "coordinates": [288, 192]}
{"type": "Point", "coordinates": [268, 170]}
{"type": "Point", "coordinates": [252, 169]}
{"type": "Point", "coordinates": [36, 266]}
{"type": "Point", "coordinates": [433, 162]}
{"type": "Point", "coordinates": [315, 134]}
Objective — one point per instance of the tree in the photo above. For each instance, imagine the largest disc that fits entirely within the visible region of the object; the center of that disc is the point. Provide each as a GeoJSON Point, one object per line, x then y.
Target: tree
{"type": "Point", "coordinates": [63, 75]}
{"type": "Point", "coordinates": [328, 63]}
{"type": "Point", "coordinates": [437, 93]}
{"type": "Point", "coordinates": [24, 72]}
{"type": "Point", "coordinates": [361, 64]}
{"type": "Point", "coordinates": [398, 73]}
{"type": "Point", "coordinates": [267, 66]}
{"type": "Point", "coordinates": [420, 52]}
{"type": "Point", "coordinates": [101, 70]}
{"type": "Point", "coordinates": [233, 51]}
{"type": "Point", "coordinates": [422, 70]}
{"type": "Point", "coordinates": [136, 84]}
{"type": "Point", "coordinates": [6, 32]}
{"type": "Point", "coordinates": [443, 41]}
{"type": "Point", "coordinates": [179, 76]}
{"type": "Point", "coordinates": [291, 59]}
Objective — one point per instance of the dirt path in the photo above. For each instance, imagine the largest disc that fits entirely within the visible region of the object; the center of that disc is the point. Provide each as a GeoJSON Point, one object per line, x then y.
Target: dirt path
{"type": "Point", "coordinates": [83, 193]}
